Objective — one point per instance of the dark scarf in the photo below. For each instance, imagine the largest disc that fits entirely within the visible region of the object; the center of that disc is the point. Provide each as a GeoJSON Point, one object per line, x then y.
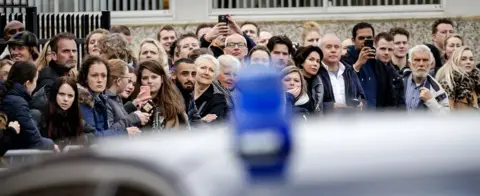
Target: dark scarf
{"type": "Point", "coordinates": [61, 70]}
{"type": "Point", "coordinates": [464, 86]}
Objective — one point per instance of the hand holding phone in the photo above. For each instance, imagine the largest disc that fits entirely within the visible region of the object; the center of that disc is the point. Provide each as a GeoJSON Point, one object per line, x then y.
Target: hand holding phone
{"type": "Point", "coordinates": [223, 19]}
{"type": "Point", "coordinates": [144, 91]}
{"type": "Point", "coordinates": [368, 43]}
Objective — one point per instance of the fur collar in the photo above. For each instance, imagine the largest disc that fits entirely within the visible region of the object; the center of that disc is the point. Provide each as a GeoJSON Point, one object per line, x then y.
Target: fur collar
{"type": "Point", "coordinates": [84, 96]}
{"type": "Point", "coordinates": [464, 86]}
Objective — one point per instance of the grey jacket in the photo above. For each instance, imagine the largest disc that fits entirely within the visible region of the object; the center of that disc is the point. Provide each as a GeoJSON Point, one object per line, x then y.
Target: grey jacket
{"type": "Point", "coordinates": [118, 118]}
{"type": "Point", "coordinates": [317, 94]}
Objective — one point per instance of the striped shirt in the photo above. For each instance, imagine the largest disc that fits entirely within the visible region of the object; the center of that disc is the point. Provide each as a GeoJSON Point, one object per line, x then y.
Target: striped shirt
{"type": "Point", "coordinates": [412, 94]}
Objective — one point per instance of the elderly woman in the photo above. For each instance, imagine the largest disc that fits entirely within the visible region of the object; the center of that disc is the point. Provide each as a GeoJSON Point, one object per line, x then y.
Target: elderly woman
{"type": "Point", "coordinates": [229, 67]}
{"type": "Point", "coordinates": [210, 99]}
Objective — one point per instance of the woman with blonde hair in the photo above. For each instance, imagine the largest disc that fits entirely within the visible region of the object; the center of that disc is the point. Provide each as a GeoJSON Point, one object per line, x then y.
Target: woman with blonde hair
{"type": "Point", "coordinates": [460, 79]}
{"type": "Point", "coordinates": [451, 43]}
{"type": "Point", "coordinates": [114, 46]}
{"type": "Point", "coordinates": [296, 89]}
{"type": "Point", "coordinates": [118, 118]}
{"type": "Point", "coordinates": [151, 49]}
{"type": "Point", "coordinates": [91, 43]}
{"type": "Point", "coordinates": [311, 34]}
{"type": "Point", "coordinates": [44, 57]}
{"type": "Point", "coordinates": [5, 66]}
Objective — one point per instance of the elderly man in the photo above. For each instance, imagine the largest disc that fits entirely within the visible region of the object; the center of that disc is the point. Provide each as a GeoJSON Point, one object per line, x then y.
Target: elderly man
{"type": "Point", "coordinates": [342, 88]}
{"type": "Point", "coordinates": [236, 45]}
{"type": "Point", "coordinates": [422, 91]}
{"type": "Point", "coordinates": [12, 28]}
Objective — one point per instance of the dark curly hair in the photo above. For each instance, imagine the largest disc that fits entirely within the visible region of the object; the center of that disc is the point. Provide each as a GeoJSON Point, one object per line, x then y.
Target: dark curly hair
{"type": "Point", "coordinates": [88, 61]}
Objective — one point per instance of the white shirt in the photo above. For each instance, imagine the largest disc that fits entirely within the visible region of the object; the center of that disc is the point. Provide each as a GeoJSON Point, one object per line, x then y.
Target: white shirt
{"type": "Point", "coordinates": [5, 53]}
{"type": "Point", "coordinates": [338, 83]}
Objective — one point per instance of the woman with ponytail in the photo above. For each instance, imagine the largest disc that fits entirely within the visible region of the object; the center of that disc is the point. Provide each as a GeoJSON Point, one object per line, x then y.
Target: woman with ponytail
{"type": "Point", "coordinates": [14, 97]}
{"type": "Point", "coordinates": [311, 34]}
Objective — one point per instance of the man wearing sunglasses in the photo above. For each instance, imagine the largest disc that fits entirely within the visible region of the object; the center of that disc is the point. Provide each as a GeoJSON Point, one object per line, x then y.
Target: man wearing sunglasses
{"type": "Point", "coordinates": [10, 29]}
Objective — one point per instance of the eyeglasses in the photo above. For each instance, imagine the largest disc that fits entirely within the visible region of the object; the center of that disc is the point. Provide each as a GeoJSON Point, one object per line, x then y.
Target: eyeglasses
{"type": "Point", "coordinates": [235, 44]}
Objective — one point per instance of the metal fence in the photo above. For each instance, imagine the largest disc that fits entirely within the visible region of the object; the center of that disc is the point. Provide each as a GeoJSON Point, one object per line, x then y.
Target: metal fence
{"type": "Point", "coordinates": [55, 6]}
{"type": "Point", "coordinates": [223, 4]}
{"type": "Point", "coordinates": [45, 26]}
{"type": "Point", "coordinates": [19, 157]}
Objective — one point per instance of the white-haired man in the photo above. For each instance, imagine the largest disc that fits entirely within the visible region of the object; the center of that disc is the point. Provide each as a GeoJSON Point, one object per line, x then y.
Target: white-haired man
{"type": "Point", "coordinates": [422, 91]}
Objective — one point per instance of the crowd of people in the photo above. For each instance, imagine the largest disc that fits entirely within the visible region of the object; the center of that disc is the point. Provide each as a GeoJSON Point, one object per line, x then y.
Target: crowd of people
{"type": "Point", "coordinates": [49, 100]}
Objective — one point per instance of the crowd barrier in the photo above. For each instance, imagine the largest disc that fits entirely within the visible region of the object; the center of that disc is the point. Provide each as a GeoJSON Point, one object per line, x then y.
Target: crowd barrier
{"type": "Point", "coordinates": [18, 157]}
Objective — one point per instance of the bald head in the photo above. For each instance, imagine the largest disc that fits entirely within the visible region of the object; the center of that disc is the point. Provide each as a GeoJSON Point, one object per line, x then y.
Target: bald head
{"type": "Point", "coordinates": [235, 38]}
{"type": "Point", "coordinates": [330, 37]}
{"type": "Point", "coordinates": [236, 45]}
{"type": "Point", "coordinates": [345, 44]}
{"type": "Point", "coordinates": [12, 28]}
{"type": "Point", "coordinates": [263, 38]}
{"type": "Point", "coordinates": [331, 47]}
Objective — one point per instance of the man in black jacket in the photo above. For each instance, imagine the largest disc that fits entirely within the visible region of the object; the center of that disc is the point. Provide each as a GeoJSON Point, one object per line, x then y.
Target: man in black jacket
{"type": "Point", "coordinates": [390, 90]}
{"type": "Point", "coordinates": [184, 77]}
{"type": "Point", "coordinates": [64, 58]}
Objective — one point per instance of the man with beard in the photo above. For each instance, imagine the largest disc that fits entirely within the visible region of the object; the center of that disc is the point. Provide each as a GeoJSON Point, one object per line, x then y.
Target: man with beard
{"type": "Point", "coordinates": [422, 91]}
{"type": "Point", "coordinates": [184, 77]}
{"type": "Point", "coordinates": [281, 48]}
{"type": "Point", "coordinates": [64, 58]}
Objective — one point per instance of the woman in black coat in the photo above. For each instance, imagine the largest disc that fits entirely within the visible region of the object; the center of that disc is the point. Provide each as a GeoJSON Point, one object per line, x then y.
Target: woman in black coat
{"type": "Point", "coordinates": [210, 99]}
{"type": "Point", "coordinates": [14, 97]}
{"type": "Point", "coordinates": [6, 133]}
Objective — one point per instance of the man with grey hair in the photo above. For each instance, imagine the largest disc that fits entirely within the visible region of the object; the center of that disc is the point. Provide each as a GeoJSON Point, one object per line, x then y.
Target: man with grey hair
{"type": "Point", "coordinates": [342, 88]}
{"type": "Point", "coordinates": [236, 45]}
{"type": "Point", "coordinates": [422, 91]}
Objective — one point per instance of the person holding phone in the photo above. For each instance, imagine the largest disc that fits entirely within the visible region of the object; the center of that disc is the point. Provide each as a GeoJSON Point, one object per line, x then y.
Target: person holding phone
{"type": "Point", "coordinates": [167, 108]}
{"type": "Point", "coordinates": [215, 38]}
{"type": "Point", "coordinates": [118, 117]}
{"type": "Point", "coordinates": [361, 56]}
